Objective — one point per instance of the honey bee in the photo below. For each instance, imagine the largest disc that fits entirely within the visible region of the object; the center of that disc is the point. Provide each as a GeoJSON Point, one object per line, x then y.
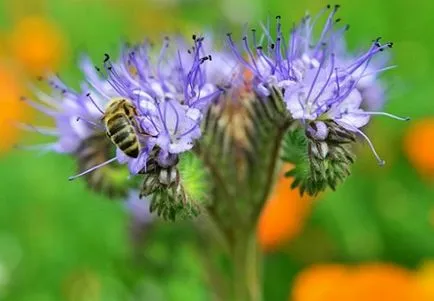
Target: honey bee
{"type": "Point", "coordinates": [119, 121]}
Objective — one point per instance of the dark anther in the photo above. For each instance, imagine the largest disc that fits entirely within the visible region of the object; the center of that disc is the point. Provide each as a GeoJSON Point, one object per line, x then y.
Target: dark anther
{"type": "Point", "coordinates": [278, 39]}
{"type": "Point", "coordinates": [64, 91]}
{"type": "Point", "coordinates": [194, 37]}
{"type": "Point", "coordinates": [259, 47]}
{"type": "Point", "coordinates": [328, 6]}
{"type": "Point", "coordinates": [88, 94]}
{"type": "Point", "coordinates": [278, 17]}
{"type": "Point", "coordinates": [347, 27]}
{"type": "Point", "coordinates": [109, 68]}
{"type": "Point", "coordinates": [272, 46]}
{"type": "Point", "coordinates": [338, 20]}
{"type": "Point", "coordinates": [244, 38]}
{"type": "Point", "coordinates": [390, 44]}
{"type": "Point", "coordinates": [337, 6]}
{"type": "Point", "coordinates": [97, 68]}
{"type": "Point", "coordinates": [229, 34]}
{"type": "Point", "coordinates": [253, 30]}
{"type": "Point", "coordinates": [166, 38]}
{"type": "Point", "coordinates": [106, 57]}
{"type": "Point", "coordinates": [378, 39]}
{"type": "Point", "coordinates": [210, 57]}
{"type": "Point", "coordinates": [189, 51]}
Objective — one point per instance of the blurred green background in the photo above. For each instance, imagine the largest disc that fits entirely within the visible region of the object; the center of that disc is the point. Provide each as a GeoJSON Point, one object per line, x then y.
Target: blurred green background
{"type": "Point", "coordinates": [58, 241]}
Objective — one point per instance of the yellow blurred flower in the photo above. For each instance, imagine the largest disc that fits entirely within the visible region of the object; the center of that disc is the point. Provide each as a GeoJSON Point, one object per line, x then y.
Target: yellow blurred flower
{"type": "Point", "coordinates": [419, 147]}
{"type": "Point", "coordinates": [366, 282]}
{"type": "Point", "coordinates": [11, 108]}
{"type": "Point", "coordinates": [37, 44]}
{"type": "Point", "coordinates": [283, 215]}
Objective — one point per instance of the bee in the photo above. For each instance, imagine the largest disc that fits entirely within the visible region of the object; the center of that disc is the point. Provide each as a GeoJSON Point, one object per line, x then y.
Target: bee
{"type": "Point", "coordinates": [119, 121]}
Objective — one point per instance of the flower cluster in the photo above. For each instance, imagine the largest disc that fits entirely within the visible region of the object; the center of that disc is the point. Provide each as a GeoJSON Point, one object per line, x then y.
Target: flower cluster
{"type": "Point", "coordinates": [170, 94]}
{"type": "Point", "coordinates": [246, 96]}
{"type": "Point", "coordinates": [318, 81]}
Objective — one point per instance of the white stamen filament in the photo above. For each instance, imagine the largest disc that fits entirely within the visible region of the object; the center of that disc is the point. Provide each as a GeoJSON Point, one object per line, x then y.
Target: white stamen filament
{"type": "Point", "coordinates": [92, 169]}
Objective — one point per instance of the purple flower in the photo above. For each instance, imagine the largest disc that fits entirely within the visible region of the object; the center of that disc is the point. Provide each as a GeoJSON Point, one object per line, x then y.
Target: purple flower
{"type": "Point", "coordinates": [317, 80]}
{"type": "Point", "coordinates": [169, 89]}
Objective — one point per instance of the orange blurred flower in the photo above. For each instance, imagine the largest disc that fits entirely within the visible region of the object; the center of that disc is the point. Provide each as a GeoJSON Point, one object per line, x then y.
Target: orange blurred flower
{"type": "Point", "coordinates": [283, 215]}
{"type": "Point", "coordinates": [366, 282]}
{"type": "Point", "coordinates": [319, 283]}
{"type": "Point", "coordinates": [11, 108]}
{"type": "Point", "coordinates": [419, 147]}
{"type": "Point", "coordinates": [37, 44]}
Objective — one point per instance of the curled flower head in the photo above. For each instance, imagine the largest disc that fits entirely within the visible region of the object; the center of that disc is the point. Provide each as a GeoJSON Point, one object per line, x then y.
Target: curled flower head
{"type": "Point", "coordinates": [316, 80]}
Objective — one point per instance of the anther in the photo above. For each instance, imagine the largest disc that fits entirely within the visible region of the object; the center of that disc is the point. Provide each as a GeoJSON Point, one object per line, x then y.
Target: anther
{"type": "Point", "coordinates": [338, 20]}
{"type": "Point", "coordinates": [328, 6]}
{"type": "Point", "coordinates": [106, 57]}
{"type": "Point", "coordinates": [278, 17]}
{"type": "Point", "coordinates": [272, 46]}
{"type": "Point", "coordinates": [194, 37]}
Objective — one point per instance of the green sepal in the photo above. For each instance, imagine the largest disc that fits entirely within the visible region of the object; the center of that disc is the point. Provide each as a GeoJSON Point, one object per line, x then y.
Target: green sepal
{"type": "Point", "coordinates": [318, 164]}
{"type": "Point", "coordinates": [184, 191]}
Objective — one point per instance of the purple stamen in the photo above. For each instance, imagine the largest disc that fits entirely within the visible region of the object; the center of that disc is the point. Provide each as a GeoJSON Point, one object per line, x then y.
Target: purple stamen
{"type": "Point", "coordinates": [92, 169]}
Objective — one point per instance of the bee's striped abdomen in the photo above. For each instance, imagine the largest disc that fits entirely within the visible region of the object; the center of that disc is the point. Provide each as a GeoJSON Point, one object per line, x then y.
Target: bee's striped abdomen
{"type": "Point", "coordinates": [123, 135]}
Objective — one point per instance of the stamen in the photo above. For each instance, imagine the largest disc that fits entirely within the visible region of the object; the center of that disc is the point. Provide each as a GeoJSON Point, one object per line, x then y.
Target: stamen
{"type": "Point", "coordinates": [91, 123]}
{"type": "Point", "coordinates": [375, 72]}
{"type": "Point", "coordinates": [94, 103]}
{"type": "Point", "coordinates": [39, 130]}
{"type": "Point", "coordinates": [92, 169]}
{"type": "Point", "coordinates": [380, 161]}
{"type": "Point", "coordinates": [42, 148]}
{"type": "Point", "coordinates": [383, 114]}
{"type": "Point", "coordinates": [39, 107]}
{"type": "Point", "coordinates": [332, 58]}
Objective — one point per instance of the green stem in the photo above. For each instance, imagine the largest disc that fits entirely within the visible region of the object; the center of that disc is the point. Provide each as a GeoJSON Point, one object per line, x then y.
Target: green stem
{"type": "Point", "coordinates": [246, 262]}
{"type": "Point", "coordinates": [232, 264]}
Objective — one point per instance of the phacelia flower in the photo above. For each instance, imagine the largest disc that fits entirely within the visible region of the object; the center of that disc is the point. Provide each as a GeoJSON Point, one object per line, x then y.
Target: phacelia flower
{"type": "Point", "coordinates": [319, 85]}
{"type": "Point", "coordinates": [168, 88]}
